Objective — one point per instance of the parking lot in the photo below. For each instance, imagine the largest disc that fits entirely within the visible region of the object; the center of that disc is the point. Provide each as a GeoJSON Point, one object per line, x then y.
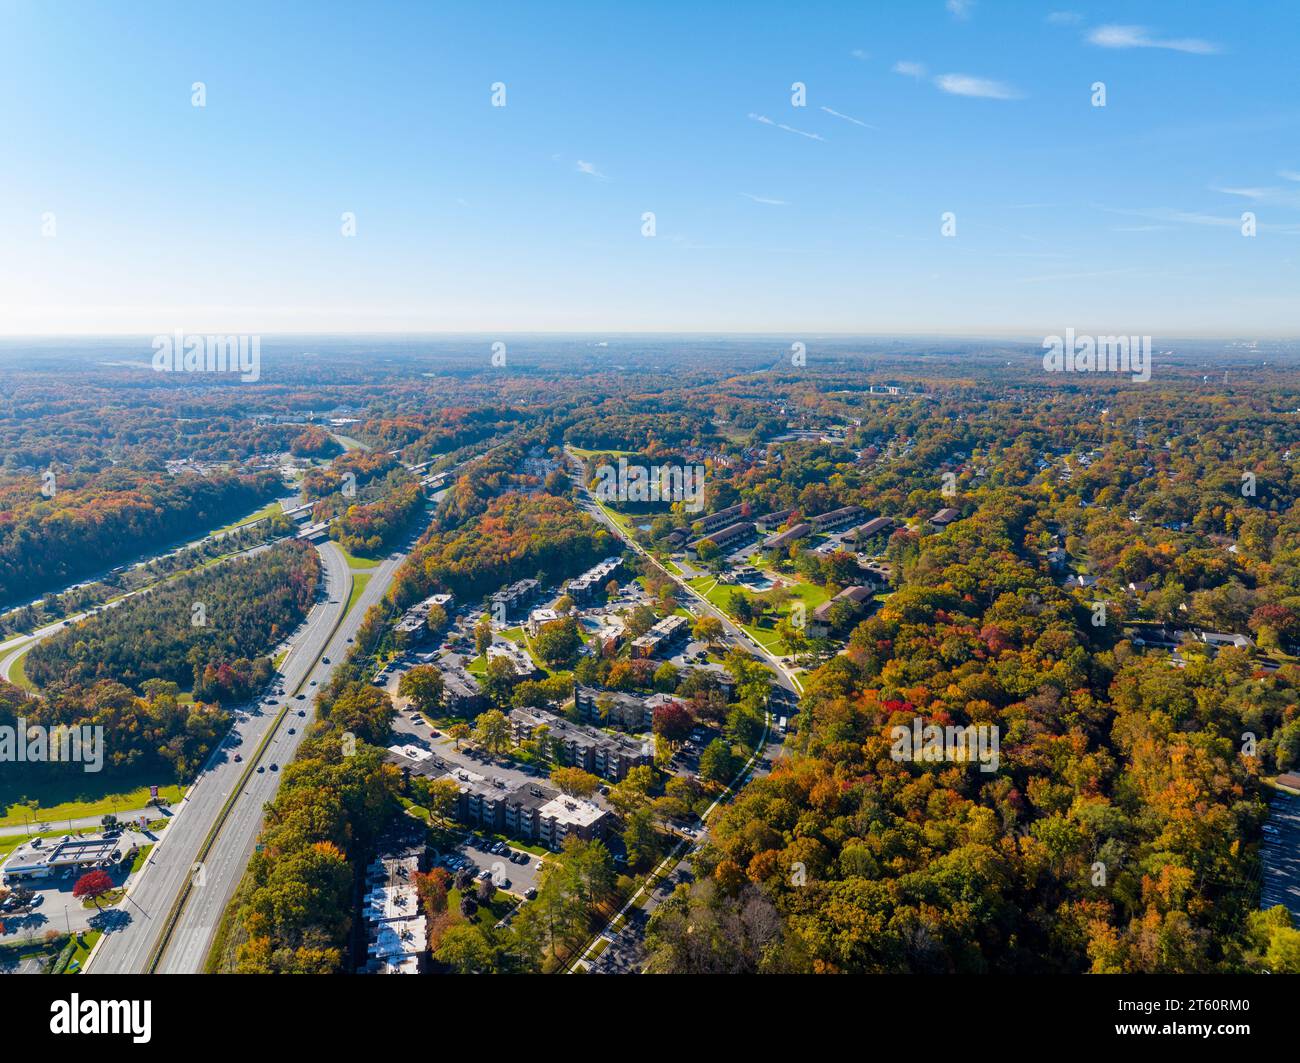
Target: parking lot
{"type": "Point", "coordinates": [54, 907]}
{"type": "Point", "coordinates": [1280, 854]}
{"type": "Point", "coordinates": [513, 870]}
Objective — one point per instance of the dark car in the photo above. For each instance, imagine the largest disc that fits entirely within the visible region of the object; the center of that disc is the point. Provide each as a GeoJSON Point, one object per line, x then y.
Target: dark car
{"type": "Point", "coordinates": [260, 769]}
{"type": "Point", "coordinates": [238, 757]}
{"type": "Point", "coordinates": [301, 697]}
{"type": "Point", "coordinates": [324, 660]}
{"type": "Point", "coordinates": [293, 730]}
{"type": "Point", "coordinates": [275, 767]}
{"type": "Point", "coordinates": [302, 712]}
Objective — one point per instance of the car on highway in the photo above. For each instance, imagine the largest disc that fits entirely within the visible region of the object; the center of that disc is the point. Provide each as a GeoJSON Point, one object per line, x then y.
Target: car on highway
{"type": "Point", "coordinates": [302, 712]}
{"type": "Point", "coordinates": [260, 769]}
{"type": "Point", "coordinates": [300, 697]}
{"type": "Point", "coordinates": [293, 730]}
{"type": "Point", "coordinates": [238, 757]}
{"type": "Point", "coordinates": [324, 660]}
{"type": "Point", "coordinates": [274, 766]}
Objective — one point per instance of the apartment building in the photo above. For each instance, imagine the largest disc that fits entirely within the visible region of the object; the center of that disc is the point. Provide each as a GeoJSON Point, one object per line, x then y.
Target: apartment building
{"type": "Point", "coordinates": [720, 519]}
{"type": "Point", "coordinates": [532, 812]}
{"type": "Point", "coordinates": [579, 746]}
{"type": "Point", "coordinates": [837, 518]}
{"type": "Point", "coordinates": [820, 624]}
{"type": "Point", "coordinates": [660, 637]}
{"type": "Point", "coordinates": [729, 538]}
{"type": "Point", "coordinates": [864, 533]}
{"type": "Point", "coordinates": [592, 582]}
{"type": "Point", "coordinates": [613, 708]}
{"type": "Point", "coordinates": [769, 522]}
{"type": "Point", "coordinates": [461, 693]}
{"type": "Point", "coordinates": [415, 621]}
{"type": "Point", "coordinates": [508, 601]}
{"type": "Point", "coordinates": [781, 540]}
{"type": "Point", "coordinates": [397, 933]}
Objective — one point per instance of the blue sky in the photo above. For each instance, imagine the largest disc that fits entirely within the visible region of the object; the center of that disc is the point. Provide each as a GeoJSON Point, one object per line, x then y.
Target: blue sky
{"type": "Point", "coordinates": [769, 217]}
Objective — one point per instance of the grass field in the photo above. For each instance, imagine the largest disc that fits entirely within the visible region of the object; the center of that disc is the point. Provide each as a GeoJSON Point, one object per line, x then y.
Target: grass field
{"type": "Point", "coordinates": [359, 581]}
{"type": "Point", "coordinates": [355, 561]}
{"type": "Point", "coordinates": [18, 672]}
{"type": "Point", "coordinates": [266, 511]}
{"type": "Point", "coordinates": [80, 796]}
{"type": "Point", "coordinates": [717, 593]}
{"type": "Point", "coordinates": [583, 453]}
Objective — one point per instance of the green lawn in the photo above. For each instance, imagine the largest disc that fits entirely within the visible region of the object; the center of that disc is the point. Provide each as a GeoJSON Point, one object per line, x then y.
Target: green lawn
{"type": "Point", "coordinates": [359, 581]}
{"type": "Point", "coordinates": [488, 915]}
{"type": "Point", "coordinates": [85, 942]}
{"type": "Point", "coordinates": [79, 796]}
{"type": "Point", "coordinates": [717, 593]}
{"type": "Point", "coordinates": [356, 562]}
{"type": "Point", "coordinates": [18, 672]}
{"type": "Point", "coordinates": [583, 453]}
{"type": "Point", "coordinates": [266, 511]}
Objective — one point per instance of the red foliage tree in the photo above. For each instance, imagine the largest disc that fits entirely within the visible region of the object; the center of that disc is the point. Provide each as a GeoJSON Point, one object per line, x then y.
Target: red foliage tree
{"type": "Point", "coordinates": [93, 884]}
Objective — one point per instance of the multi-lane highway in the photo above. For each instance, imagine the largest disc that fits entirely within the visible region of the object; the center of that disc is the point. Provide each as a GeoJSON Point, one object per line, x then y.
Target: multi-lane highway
{"type": "Point", "coordinates": [187, 946]}
{"type": "Point", "coordinates": [149, 904]}
{"type": "Point", "coordinates": [179, 897]}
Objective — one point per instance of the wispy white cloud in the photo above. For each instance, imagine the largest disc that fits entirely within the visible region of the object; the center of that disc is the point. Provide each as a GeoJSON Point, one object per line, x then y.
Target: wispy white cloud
{"type": "Point", "coordinates": [1284, 197]}
{"type": "Point", "coordinates": [860, 54]}
{"type": "Point", "coordinates": [960, 8]}
{"type": "Point", "coordinates": [909, 68]}
{"type": "Point", "coordinates": [1064, 18]}
{"type": "Point", "coordinates": [1114, 36]}
{"type": "Point", "coordinates": [848, 118]}
{"type": "Point", "coordinates": [983, 88]}
{"type": "Point", "coordinates": [787, 128]}
{"type": "Point", "coordinates": [1191, 217]}
{"type": "Point", "coordinates": [1289, 175]}
{"type": "Point", "coordinates": [589, 169]}
{"type": "Point", "coordinates": [765, 199]}
{"type": "Point", "coordinates": [1246, 193]}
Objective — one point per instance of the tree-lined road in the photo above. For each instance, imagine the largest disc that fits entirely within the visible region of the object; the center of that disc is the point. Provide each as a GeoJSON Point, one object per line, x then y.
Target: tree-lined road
{"type": "Point", "coordinates": [149, 903]}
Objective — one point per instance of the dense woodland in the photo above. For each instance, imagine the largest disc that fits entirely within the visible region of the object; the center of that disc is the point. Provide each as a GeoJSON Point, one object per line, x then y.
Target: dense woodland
{"type": "Point", "coordinates": [101, 518]}
{"type": "Point", "coordinates": [210, 631]}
